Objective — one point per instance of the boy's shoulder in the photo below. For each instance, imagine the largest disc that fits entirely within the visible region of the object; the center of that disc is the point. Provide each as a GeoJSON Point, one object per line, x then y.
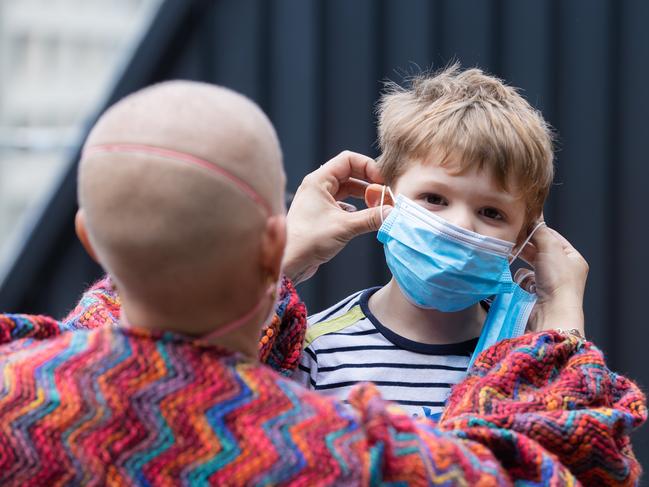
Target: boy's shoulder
{"type": "Point", "coordinates": [336, 310]}
{"type": "Point", "coordinates": [346, 313]}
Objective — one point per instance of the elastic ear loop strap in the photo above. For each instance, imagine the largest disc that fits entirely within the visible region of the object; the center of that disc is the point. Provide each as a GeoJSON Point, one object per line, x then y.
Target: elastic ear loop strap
{"type": "Point", "coordinates": [233, 325]}
{"type": "Point", "coordinates": [529, 237]}
{"type": "Point", "coordinates": [383, 199]}
{"type": "Point", "coordinates": [239, 183]}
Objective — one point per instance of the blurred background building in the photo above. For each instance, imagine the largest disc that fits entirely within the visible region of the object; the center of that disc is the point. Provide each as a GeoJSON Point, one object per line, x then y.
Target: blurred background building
{"type": "Point", "coordinates": [316, 67]}
{"type": "Point", "coordinates": [58, 61]}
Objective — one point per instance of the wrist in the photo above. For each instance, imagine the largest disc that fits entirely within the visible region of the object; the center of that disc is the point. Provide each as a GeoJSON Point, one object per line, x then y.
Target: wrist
{"type": "Point", "coordinates": [291, 270]}
{"type": "Point", "coordinates": [572, 332]}
{"type": "Point", "coordinates": [295, 269]}
{"type": "Point", "coordinates": [565, 317]}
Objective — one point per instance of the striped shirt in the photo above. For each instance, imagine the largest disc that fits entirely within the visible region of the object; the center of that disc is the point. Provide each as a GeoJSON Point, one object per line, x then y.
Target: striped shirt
{"type": "Point", "coordinates": [346, 344]}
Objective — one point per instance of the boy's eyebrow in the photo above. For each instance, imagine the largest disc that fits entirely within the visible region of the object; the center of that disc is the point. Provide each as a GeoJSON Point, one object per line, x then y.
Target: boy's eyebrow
{"type": "Point", "coordinates": [496, 197]}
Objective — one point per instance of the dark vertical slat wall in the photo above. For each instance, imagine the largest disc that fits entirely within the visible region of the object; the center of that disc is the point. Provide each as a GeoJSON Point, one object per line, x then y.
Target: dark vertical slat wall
{"type": "Point", "coordinates": [627, 324]}
{"type": "Point", "coordinates": [239, 64]}
{"type": "Point", "coordinates": [583, 119]}
{"type": "Point", "coordinates": [468, 32]}
{"type": "Point", "coordinates": [406, 40]}
{"type": "Point", "coordinates": [316, 67]}
{"type": "Point", "coordinates": [295, 83]}
{"type": "Point", "coordinates": [350, 86]}
{"type": "Point", "coordinates": [525, 50]}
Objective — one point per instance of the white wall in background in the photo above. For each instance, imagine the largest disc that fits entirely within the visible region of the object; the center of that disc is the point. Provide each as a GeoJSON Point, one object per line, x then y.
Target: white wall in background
{"type": "Point", "coordinates": [58, 59]}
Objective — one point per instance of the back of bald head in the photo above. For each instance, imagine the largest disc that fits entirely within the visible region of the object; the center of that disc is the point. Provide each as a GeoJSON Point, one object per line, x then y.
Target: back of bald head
{"type": "Point", "coordinates": [157, 223]}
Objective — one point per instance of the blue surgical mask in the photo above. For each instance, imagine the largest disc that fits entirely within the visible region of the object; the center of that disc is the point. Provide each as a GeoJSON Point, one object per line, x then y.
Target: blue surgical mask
{"type": "Point", "coordinates": [507, 318]}
{"type": "Point", "coordinates": [441, 266]}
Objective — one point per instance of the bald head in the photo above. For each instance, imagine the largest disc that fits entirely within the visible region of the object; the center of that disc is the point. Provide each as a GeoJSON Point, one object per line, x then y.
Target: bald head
{"type": "Point", "coordinates": [176, 185]}
{"type": "Point", "coordinates": [207, 121]}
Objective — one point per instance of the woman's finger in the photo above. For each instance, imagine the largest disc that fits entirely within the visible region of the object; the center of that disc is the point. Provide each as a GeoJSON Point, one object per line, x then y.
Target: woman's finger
{"type": "Point", "coordinates": [347, 207]}
{"type": "Point", "coordinates": [526, 279]}
{"type": "Point", "coordinates": [546, 241]}
{"type": "Point", "coordinates": [567, 246]}
{"type": "Point", "coordinates": [528, 254]}
{"type": "Point", "coordinates": [349, 164]}
{"type": "Point", "coordinates": [354, 188]}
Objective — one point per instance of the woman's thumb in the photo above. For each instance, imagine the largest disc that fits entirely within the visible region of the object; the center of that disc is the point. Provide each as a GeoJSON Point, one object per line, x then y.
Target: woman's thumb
{"type": "Point", "coordinates": [368, 220]}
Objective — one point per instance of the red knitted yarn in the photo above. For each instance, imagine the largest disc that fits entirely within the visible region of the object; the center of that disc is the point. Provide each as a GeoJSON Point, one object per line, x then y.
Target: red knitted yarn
{"type": "Point", "coordinates": [108, 405]}
{"type": "Point", "coordinates": [554, 391]}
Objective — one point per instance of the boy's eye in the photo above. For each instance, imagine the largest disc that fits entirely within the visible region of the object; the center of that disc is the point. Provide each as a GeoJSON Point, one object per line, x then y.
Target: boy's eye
{"type": "Point", "coordinates": [435, 199]}
{"type": "Point", "coordinates": [491, 213]}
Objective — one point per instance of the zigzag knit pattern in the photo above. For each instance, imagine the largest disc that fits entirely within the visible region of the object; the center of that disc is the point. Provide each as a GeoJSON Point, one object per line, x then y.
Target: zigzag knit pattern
{"type": "Point", "coordinates": [13, 327]}
{"type": "Point", "coordinates": [99, 306]}
{"type": "Point", "coordinates": [280, 344]}
{"type": "Point", "coordinates": [575, 408]}
{"type": "Point", "coordinates": [281, 341]}
{"type": "Point", "coordinates": [109, 405]}
{"type": "Point", "coordinates": [124, 406]}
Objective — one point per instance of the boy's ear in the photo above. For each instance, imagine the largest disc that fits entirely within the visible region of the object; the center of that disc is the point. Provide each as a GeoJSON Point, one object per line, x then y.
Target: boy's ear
{"type": "Point", "coordinates": [529, 228]}
{"type": "Point", "coordinates": [82, 234]}
{"type": "Point", "coordinates": [373, 196]}
{"type": "Point", "coordinates": [273, 244]}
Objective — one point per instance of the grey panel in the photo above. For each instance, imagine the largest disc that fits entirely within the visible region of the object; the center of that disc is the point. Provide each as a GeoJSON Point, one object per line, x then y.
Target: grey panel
{"type": "Point", "coordinates": [469, 32]}
{"type": "Point", "coordinates": [628, 167]}
{"type": "Point", "coordinates": [350, 87]}
{"type": "Point", "coordinates": [584, 124]}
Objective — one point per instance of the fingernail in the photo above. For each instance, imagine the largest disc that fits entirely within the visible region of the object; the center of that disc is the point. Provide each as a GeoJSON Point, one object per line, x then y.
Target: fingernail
{"type": "Point", "coordinates": [347, 207]}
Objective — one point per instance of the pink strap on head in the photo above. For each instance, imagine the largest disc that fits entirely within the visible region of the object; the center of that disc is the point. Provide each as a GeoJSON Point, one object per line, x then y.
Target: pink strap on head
{"type": "Point", "coordinates": [227, 327]}
{"type": "Point", "coordinates": [233, 325]}
{"type": "Point", "coordinates": [187, 158]}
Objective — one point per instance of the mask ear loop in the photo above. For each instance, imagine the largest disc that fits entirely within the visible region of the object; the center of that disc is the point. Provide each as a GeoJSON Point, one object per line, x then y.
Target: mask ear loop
{"type": "Point", "coordinates": [383, 199]}
{"type": "Point", "coordinates": [271, 292]}
{"type": "Point", "coordinates": [529, 237]}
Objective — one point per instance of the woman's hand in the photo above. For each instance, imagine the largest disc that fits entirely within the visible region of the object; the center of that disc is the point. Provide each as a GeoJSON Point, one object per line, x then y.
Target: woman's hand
{"type": "Point", "coordinates": [318, 226]}
{"type": "Point", "coordinates": [560, 274]}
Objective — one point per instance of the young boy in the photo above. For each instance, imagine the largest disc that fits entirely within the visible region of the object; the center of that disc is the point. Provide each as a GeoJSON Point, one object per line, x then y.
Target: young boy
{"type": "Point", "coordinates": [473, 153]}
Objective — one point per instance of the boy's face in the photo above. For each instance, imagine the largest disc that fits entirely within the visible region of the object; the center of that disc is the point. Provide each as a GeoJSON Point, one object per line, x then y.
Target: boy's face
{"type": "Point", "coordinates": [471, 199]}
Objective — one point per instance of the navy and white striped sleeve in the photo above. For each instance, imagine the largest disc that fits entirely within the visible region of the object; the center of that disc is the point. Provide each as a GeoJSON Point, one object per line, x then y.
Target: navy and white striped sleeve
{"type": "Point", "coordinates": [307, 370]}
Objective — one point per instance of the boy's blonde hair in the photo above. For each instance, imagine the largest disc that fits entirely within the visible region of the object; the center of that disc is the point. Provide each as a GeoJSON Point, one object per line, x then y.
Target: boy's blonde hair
{"type": "Point", "coordinates": [473, 117]}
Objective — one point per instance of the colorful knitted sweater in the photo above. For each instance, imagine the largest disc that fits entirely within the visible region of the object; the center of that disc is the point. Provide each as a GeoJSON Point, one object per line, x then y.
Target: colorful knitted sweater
{"type": "Point", "coordinates": [83, 402]}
